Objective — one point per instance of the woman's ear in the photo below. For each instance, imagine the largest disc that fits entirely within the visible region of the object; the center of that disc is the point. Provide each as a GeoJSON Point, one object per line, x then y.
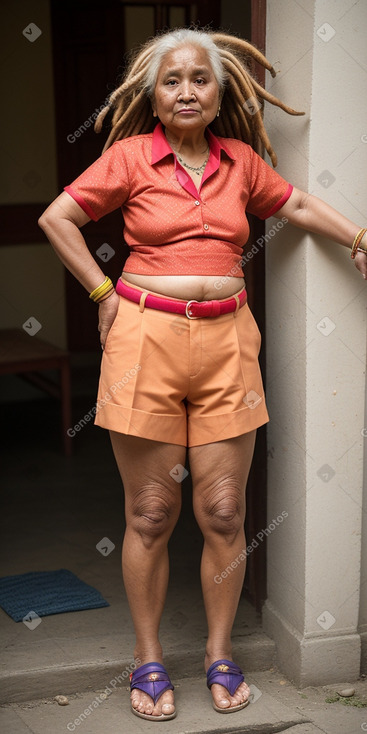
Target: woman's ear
{"type": "Point", "coordinates": [153, 107]}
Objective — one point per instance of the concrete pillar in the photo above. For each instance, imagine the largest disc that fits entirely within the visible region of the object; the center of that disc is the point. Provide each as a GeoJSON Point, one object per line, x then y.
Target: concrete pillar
{"type": "Point", "coordinates": [316, 345]}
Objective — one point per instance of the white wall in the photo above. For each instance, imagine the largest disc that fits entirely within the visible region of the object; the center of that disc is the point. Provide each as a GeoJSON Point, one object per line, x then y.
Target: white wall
{"type": "Point", "coordinates": [316, 342]}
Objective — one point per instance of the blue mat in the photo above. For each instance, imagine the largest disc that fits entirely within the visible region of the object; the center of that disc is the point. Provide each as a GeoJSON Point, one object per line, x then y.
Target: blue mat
{"type": "Point", "coordinates": [47, 592]}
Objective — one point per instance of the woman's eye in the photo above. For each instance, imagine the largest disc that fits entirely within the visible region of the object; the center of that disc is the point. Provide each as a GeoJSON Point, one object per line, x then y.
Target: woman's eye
{"type": "Point", "coordinates": [200, 81]}
{"type": "Point", "coordinates": [171, 82]}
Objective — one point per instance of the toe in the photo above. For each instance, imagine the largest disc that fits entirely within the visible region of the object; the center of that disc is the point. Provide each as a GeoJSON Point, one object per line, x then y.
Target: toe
{"type": "Point", "coordinates": [242, 693]}
{"type": "Point", "coordinates": [224, 700]}
{"type": "Point", "coordinates": [164, 705]}
{"type": "Point", "coordinates": [221, 696]}
{"type": "Point", "coordinates": [143, 703]}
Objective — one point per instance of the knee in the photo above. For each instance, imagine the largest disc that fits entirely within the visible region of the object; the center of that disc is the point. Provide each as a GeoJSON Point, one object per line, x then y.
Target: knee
{"type": "Point", "coordinates": [153, 513]}
{"type": "Point", "coordinates": [222, 508]}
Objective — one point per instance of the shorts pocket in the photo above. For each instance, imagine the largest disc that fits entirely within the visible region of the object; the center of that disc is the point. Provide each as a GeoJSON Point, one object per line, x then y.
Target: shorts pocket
{"type": "Point", "coordinates": [114, 325]}
{"type": "Point", "coordinates": [253, 328]}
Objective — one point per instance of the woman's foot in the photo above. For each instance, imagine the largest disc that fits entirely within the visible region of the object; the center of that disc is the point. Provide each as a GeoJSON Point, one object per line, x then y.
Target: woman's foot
{"type": "Point", "coordinates": [221, 696]}
{"type": "Point", "coordinates": [142, 703]}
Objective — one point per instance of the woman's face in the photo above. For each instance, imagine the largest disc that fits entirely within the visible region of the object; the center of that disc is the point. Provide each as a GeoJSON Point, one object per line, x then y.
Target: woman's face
{"type": "Point", "coordinates": [186, 95]}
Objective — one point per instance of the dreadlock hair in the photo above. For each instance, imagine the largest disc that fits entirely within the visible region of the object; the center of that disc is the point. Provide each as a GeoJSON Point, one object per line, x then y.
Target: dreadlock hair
{"type": "Point", "coordinates": [242, 96]}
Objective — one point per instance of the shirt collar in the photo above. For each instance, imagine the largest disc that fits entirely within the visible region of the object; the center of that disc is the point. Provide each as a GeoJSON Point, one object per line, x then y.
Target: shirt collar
{"type": "Point", "coordinates": [161, 147]}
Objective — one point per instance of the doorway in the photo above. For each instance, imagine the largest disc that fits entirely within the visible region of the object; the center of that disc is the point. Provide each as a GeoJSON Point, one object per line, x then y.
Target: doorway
{"type": "Point", "coordinates": [91, 42]}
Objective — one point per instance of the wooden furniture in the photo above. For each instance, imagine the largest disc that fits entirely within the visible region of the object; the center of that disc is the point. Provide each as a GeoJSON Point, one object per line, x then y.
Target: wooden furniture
{"type": "Point", "coordinates": [27, 356]}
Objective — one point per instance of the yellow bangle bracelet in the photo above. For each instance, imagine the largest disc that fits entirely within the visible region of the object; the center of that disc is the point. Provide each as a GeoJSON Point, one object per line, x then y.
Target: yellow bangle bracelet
{"type": "Point", "coordinates": [106, 295]}
{"type": "Point", "coordinates": [96, 290]}
{"type": "Point", "coordinates": [356, 242]}
{"type": "Point", "coordinates": [105, 292]}
{"type": "Point", "coordinates": [101, 290]}
{"type": "Point", "coordinates": [103, 295]}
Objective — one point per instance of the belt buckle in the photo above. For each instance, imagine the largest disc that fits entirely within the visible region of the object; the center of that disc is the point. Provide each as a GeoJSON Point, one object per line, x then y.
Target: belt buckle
{"type": "Point", "coordinates": [188, 304]}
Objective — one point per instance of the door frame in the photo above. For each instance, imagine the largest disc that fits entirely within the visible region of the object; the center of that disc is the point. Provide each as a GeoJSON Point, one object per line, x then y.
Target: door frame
{"type": "Point", "coordinates": [255, 580]}
{"type": "Point", "coordinates": [255, 585]}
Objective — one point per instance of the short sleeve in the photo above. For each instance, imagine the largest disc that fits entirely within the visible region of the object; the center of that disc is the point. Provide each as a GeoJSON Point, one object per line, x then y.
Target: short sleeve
{"type": "Point", "coordinates": [268, 190]}
{"type": "Point", "coordinates": [104, 186]}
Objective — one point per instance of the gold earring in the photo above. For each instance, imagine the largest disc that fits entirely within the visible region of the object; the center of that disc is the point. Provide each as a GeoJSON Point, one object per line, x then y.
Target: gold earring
{"type": "Point", "coordinates": [218, 111]}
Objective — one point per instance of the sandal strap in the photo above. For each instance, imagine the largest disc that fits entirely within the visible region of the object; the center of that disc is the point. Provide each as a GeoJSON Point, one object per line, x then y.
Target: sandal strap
{"type": "Point", "coordinates": [151, 678]}
{"type": "Point", "coordinates": [226, 673]}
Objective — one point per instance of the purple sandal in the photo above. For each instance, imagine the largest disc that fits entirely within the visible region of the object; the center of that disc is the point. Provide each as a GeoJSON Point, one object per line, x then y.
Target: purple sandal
{"type": "Point", "coordinates": [153, 679]}
{"type": "Point", "coordinates": [229, 675]}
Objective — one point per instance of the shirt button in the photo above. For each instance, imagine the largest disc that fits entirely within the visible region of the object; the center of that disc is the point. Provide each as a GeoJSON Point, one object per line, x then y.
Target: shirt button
{"type": "Point", "coordinates": [206, 226]}
{"type": "Point", "coordinates": [197, 203]}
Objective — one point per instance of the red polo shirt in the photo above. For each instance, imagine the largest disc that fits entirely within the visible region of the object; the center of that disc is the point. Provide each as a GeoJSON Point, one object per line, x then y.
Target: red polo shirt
{"type": "Point", "coordinates": [172, 227]}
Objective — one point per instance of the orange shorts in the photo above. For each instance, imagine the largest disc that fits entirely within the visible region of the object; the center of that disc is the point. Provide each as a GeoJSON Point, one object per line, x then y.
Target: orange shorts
{"type": "Point", "coordinates": [183, 381]}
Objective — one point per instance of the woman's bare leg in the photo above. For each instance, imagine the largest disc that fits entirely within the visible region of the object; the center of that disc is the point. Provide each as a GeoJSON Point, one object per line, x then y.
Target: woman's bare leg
{"type": "Point", "coordinates": [219, 473]}
{"type": "Point", "coordinates": [152, 507]}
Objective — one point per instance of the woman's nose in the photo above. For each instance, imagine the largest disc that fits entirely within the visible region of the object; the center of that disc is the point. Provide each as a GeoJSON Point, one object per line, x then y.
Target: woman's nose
{"type": "Point", "coordinates": [186, 92]}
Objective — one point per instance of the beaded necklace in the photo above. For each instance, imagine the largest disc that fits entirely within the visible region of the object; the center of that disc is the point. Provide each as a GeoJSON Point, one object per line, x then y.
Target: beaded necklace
{"type": "Point", "coordinates": [199, 169]}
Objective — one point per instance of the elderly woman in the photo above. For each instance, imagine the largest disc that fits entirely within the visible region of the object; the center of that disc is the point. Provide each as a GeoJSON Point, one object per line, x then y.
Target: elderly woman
{"type": "Point", "coordinates": [180, 366]}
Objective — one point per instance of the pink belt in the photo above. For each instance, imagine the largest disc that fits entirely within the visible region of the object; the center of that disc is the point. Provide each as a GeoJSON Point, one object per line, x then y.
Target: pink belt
{"type": "Point", "coordinates": [192, 309]}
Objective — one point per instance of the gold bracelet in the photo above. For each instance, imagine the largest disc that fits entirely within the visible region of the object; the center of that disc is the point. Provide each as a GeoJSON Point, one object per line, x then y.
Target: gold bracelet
{"type": "Point", "coordinates": [106, 295]}
{"type": "Point", "coordinates": [103, 295]}
{"type": "Point", "coordinates": [101, 290]}
{"type": "Point", "coordinates": [357, 242]}
{"type": "Point", "coordinates": [362, 247]}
